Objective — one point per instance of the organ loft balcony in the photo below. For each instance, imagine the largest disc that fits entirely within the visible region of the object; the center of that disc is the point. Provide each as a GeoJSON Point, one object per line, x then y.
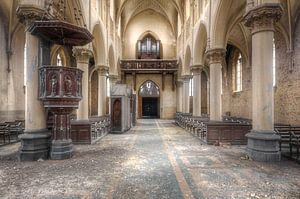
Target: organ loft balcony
{"type": "Point", "coordinates": [149, 66]}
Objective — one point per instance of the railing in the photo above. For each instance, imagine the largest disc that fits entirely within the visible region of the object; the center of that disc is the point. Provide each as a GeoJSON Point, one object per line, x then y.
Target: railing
{"type": "Point", "coordinates": [100, 126]}
{"type": "Point", "coordinates": [144, 64]}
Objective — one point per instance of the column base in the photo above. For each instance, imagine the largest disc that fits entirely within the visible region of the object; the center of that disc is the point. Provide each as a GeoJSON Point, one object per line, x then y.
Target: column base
{"type": "Point", "coordinates": [35, 145]}
{"type": "Point", "coordinates": [263, 146]}
{"type": "Point", "coordinates": [61, 149]}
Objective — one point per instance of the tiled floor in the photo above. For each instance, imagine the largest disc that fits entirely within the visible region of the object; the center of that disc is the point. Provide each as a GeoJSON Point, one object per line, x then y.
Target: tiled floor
{"type": "Point", "coordinates": [155, 160]}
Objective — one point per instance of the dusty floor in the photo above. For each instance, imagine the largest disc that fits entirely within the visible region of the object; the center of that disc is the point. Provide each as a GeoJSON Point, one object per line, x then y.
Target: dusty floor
{"type": "Point", "coordinates": [155, 160]}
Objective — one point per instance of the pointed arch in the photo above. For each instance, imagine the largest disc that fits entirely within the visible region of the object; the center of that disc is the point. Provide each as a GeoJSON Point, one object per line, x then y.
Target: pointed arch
{"type": "Point", "coordinates": [60, 51]}
{"type": "Point", "coordinates": [200, 45]}
{"type": "Point", "coordinates": [99, 45]}
{"type": "Point", "coordinates": [149, 89]}
{"type": "Point", "coordinates": [228, 13]}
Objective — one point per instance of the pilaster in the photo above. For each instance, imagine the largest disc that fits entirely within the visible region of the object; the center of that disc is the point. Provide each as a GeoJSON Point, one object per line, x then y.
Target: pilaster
{"type": "Point", "coordinates": [102, 88]}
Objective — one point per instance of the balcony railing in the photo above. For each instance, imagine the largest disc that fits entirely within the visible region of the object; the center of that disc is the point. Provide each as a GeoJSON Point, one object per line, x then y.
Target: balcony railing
{"type": "Point", "coordinates": [149, 65]}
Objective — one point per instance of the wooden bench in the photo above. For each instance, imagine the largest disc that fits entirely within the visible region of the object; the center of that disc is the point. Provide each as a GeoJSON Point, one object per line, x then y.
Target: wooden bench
{"type": "Point", "coordinates": [9, 132]}
{"type": "Point", "coordinates": [4, 133]}
{"type": "Point", "coordinates": [283, 130]}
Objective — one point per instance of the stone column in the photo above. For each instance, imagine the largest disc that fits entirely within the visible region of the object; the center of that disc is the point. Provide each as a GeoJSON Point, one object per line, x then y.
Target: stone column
{"type": "Point", "coordinates": [185, 93]}
{"type": "Point", "coordinates": [179, 96]}
{"type": "Point", "coordinates": [102, 71]}
{"type": "Point", "coordinates": [35, 141]}
{"type": "Point", "coordinates": [197, 69]}
{"type": "Point", "coordinates": [263, 143]}
{"type": "Point", "coordinates": [215, 59]}
{"type": "Point", "coordinates": [82, 56]}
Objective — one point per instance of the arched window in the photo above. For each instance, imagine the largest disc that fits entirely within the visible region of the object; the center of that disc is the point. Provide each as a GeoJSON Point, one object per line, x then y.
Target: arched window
{"type": "Point", "coordinates": [148, 48]}
{"type": "Point", "coordinates": [149, 89]}
{"type": "Point", "coordinates": [238, 73]}
{"type": "Point", "coordinates": [237, 68]}
{"type": "Point", "coordinates": [274, 63]}
{"type": "Point", "coordinates": [59, 61]}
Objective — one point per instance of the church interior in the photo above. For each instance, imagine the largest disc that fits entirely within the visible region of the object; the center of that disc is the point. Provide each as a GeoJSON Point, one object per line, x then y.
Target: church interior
{"type": "Point", "coordinates": [149, 99]}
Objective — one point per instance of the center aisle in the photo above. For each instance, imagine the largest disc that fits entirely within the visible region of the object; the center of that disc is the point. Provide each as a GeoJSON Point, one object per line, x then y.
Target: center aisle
{"type": "Point", "coordinates": [151, 170]}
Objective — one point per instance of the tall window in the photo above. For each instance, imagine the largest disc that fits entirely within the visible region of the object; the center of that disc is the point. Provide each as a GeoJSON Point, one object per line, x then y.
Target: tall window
{"type": "Point", "coordinates": [238, 78]}
{"type": "Point", "coordinates": [191, 87]}
{"type": "Point", "coordinates": [274, 64]}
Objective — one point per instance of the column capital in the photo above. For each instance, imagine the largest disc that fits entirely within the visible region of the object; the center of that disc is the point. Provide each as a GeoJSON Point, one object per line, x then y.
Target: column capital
{"type": "Point", "coordinates": [113, 78]}
{"type": "Point", "coordinates": [82, 54]}
{"type": "Point", "coordinates": [263, 17]}
{"type": "Point", "coordinates": [102, 70]}
{"type": "Point", "coordinates": [186, 78]}
{"type": "Point", "coordinates": [29, 13]}
{"type": "Point", "coordinates": [215, 55]}
{"type": "Point", "coordinates": [197, 69]}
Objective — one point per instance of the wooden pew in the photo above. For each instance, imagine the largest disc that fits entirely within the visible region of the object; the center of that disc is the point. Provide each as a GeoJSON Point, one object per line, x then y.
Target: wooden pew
{"type": "Point", "coordinates": [225, 132]}
{"type": "Point", "coordinates": [295, 142]}
{"type": "Point", "coordinates": [4, 133]}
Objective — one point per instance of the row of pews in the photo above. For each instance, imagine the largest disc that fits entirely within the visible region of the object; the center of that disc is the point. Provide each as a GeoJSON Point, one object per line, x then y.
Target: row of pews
{"type": "Point", "coordinates": [290, 139]}
{"type": "Point", "coordinates": [232, 130]}
{"type": "Point", "coordinates": [9, 131]}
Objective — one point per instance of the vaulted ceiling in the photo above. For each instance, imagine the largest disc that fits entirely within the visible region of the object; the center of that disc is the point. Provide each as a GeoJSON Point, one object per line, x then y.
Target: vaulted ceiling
{"type": "Point", "coordinates": [170, 9]}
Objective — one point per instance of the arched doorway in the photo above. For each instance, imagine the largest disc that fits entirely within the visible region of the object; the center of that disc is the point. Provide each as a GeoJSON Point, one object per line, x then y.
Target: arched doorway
{"type": "Point", "coordinates": [149, 96]}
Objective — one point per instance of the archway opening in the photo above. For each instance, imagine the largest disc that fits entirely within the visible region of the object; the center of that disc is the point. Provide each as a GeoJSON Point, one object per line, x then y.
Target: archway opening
{"type": "Point", "coordinates": [149, 98]}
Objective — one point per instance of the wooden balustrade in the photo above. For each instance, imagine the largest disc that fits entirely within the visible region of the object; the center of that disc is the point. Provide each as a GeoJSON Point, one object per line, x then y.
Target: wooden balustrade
{"type": "Point", "coordinates": [158, 65]}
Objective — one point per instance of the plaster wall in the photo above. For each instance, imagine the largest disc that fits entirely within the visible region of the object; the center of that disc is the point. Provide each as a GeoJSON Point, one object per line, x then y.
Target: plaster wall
{"type": "Point", "coordinates": [12, 98]}
{"type": "Point", "coordinates": [167, 96]}
{"type": "Point", "coordinates": [149, 21]}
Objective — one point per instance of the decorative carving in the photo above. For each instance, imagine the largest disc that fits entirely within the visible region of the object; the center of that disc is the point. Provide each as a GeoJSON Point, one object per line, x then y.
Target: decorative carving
{"type": "Point", "coordinates": [102, 70]}
{"type": "Point", "coordinates": [62, 86]}
{"type": "Point", "coordinates": [215, 56]}
{"type": "Point", "coordinates": [186, 78]}
{"type": "Point", "coordinates": [263, 17]}
{"type": "Point", "coordinates": [30, 13]}
{"type": "Point", "coordinates": [78, 83]}
{"type": "Point", "coordinates": [53, 83]}
{"type": "Point", "coordinates": [42, 83]}
{"type": "Point", "coordinates": [82, 54]}
{"type": "Point", "coordinates": [197, 69]}
{"type": "Point", "coordinates": [149, 65]}
{"type": "Point", "coordinates": [68, 85]}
